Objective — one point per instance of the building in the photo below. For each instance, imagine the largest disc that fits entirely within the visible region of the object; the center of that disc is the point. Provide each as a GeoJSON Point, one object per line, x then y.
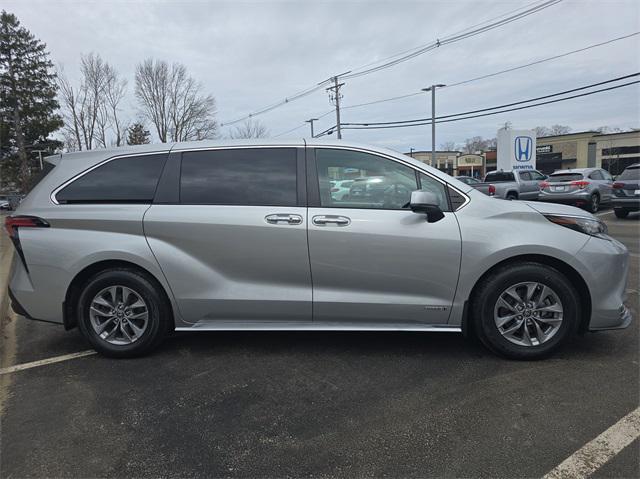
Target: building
{"type": "Point", "coordinates": [611, 151]}
{"type": "Point", "coordinates": [445, 160]}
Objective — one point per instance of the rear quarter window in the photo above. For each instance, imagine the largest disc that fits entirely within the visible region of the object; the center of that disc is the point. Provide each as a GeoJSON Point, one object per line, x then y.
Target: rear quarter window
{"type": "Point", "coordinates": [630, 174]}
{"type": "Point", "coordinates": [131, 179]}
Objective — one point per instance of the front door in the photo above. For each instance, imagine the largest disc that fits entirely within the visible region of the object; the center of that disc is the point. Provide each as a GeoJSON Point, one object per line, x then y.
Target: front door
{"type": "Point", "coordinates": [372, 259]}
{"type": "Point", "coordinates": [234, 246]}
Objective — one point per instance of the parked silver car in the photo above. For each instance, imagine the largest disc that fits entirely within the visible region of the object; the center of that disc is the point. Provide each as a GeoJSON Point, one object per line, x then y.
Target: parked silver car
{"type": "Point", "coordinates": [626, 191]}
{"type": "Point", "coordinates": [586, 187]}
{"type": "Point", "coordinates": [129, 244]}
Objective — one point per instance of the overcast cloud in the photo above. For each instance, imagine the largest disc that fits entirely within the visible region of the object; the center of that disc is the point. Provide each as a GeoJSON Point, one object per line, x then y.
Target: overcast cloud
{"type": "Point", "coordinates": [251, 54]}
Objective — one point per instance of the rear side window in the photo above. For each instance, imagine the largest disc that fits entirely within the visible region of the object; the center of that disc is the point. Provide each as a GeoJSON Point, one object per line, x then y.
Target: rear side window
{"type": "Point", "coordinates": [561, 177]}
{"type": "Point", "coordinates": [499, 176]}
{"type": "Point", "coordinates": [124, 180]}
{"type": "Point", "coordinates": [630, 174]}
{"type": "Point", "coordinates": [247, 176]}
{"type": "Point", "coordinates": [596, 175]}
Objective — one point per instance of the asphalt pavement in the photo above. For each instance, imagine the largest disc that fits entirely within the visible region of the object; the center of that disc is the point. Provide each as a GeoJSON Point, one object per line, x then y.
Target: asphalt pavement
{"type": "Point", "coordinates": [259, 404]}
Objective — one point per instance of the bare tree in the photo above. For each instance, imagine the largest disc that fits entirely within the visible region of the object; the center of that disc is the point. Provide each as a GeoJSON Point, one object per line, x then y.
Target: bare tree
{"type": "Point", "coordinates": [475, 144]}
{"type": "Point", "coordinates": [542, 131]}
{"type": "Point", "coordinates": [174, 102]}
{"type": "Point", "coordinates": [448, 146]}
{"type": "Point", "coordinates": [560, 130]}
{"type": "Point", "coordinates": [249, 129]}
{"type": "Point", "coordinates": [92, 110]}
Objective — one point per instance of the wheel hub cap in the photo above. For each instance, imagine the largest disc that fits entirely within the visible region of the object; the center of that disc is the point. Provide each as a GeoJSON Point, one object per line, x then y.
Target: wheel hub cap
{"type": "Point", "coordinates": [528, 314]}
{"type": "Point", "coordinates": [119, 315]}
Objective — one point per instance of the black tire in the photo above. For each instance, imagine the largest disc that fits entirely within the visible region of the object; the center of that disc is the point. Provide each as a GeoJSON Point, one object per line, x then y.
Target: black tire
{"type": "Point", "coordinates": [511, 196]}
{"type": "Point", "coordinates": [620, 213]}
{"type": "Point", "coordinates": [160, 318]}
{"type": "Point", "coordinates": [594, 203]}
{"type": "Point", "coordinates": [486, 296]}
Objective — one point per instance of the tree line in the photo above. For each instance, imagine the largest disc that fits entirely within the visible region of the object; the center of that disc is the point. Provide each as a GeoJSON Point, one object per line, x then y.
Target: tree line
{"type": "Point", "coordinates": [37, 99]}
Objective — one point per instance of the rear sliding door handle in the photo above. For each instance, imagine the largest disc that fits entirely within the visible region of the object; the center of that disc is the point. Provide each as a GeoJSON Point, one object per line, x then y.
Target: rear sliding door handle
{"type": "Point", "coordinates": [331, 220]}
{"type": "Point", "coordinates": [283, 219]}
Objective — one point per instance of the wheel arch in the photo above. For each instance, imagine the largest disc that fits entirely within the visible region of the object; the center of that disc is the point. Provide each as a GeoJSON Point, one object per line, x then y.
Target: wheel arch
{"type": "Point", "coordinates": [574, 277]}
{"type": "Point", "coordinates": [72, 295]}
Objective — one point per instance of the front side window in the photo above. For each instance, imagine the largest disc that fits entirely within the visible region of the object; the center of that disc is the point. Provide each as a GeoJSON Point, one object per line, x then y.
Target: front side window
{"type": "Point", "coordinates": [124, 180]}
{"type": "Point", "coordinates": [242, 176]}
{"type": "Point", "coordinates": [376, 182]}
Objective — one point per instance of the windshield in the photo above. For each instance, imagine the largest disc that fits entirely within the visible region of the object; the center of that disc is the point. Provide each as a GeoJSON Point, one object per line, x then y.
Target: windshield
{"type": "Point", "coordinates": [630, 174]}
{"type": "Point", "coordinates": [559, 177]}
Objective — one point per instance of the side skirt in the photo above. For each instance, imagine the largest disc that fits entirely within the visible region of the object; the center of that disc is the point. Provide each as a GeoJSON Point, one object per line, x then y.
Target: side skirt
{"type": "Point", "coordinates": [316, 326]}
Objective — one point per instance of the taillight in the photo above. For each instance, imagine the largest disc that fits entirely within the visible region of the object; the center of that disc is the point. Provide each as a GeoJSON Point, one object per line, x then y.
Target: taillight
{"type": "Point", "coordinates": [12, 223]}
{"type": "Point", "coordinates": [580, 184]}
{"type": "Point", "coordinates": [618, 186]}
{"type": "Point", "coordinates": [492, 190]}
{"type": "Point", "coordinates": [544, 184]}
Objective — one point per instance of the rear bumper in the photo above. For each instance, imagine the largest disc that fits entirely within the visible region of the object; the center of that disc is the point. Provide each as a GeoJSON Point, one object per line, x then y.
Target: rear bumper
{"type": "Point", "coordinates": [632, 204]}
{"type": "Point", "coordinates": [565, 198]}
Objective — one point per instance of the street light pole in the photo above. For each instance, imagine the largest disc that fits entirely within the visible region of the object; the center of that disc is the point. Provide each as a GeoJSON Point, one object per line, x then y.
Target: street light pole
{"type": "Point", "coordinates": [432, 89]}
{"type": "Point", "coordinates": [310, 121]}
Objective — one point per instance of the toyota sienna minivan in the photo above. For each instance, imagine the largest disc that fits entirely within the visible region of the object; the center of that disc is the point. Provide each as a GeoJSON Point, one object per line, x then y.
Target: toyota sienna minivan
{"type": "Point", "coordinates": [132, 243]}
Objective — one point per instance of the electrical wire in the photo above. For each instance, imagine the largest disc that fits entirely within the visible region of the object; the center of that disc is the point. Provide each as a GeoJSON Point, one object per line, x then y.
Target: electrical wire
{"type": "Point", "coordinates": [491, 113]}
{"type": "Point", "coordinates": [465, 33]}
{"type": "Point", "coordinates": [625, 77]}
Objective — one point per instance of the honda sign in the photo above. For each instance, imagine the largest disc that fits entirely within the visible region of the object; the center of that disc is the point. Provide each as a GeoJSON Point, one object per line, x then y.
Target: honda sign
{"type": "Point", "coordinates": [516, 149]}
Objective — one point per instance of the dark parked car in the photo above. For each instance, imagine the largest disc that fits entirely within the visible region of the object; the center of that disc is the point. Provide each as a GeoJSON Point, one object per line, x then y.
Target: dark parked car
{"type": "Point", "coordinates": [468, 180]}
{"type": "Point", "coordinates": [626, 191]}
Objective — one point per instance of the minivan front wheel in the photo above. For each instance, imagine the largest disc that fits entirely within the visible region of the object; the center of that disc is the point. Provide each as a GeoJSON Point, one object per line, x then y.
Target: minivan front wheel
{"type": "Point", "coordinates": [122, 313]}
{"type": "Point", "coordinates": [526, 310]}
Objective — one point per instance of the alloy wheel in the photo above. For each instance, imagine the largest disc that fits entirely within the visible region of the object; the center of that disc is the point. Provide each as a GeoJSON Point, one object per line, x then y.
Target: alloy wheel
{"type": "Point", "coordinates": [528, 314]}
{"type": "Point", "coordinates": [119, 315]}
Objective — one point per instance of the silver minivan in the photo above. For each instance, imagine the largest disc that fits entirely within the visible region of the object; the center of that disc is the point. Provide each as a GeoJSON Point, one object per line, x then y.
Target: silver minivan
{"type": "Point", "coordinates": [132, 243]}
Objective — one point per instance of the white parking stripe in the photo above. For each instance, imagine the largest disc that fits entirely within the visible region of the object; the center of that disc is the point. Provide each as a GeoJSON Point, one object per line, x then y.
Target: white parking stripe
{"type": "Point", "coordinates": [43, 362]}
{"type": "Point", "coordinates": [593, 455]}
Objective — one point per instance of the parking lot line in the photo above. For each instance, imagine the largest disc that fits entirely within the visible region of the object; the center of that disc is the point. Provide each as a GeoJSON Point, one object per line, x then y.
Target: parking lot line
{"type": "Point", "coordinates": [593, 455]}
{"type": "Point", "coordinates": [43, 362]}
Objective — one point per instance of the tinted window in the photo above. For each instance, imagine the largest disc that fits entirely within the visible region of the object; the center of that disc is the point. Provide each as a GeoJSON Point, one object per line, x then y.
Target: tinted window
{"type": "Point", "coordinates": [561, 177]}
{"type": "Point", "coordinates": [250, 176]}
{"type": "Point", "coordinates": [496, 176]}
{"type": "Point", "coordinates": [630, 174]}
{"type": "Point", "coordinates": [377, 182]}
{"type": "Point", "coordinates": [535, 175]}
{"type": "Point", "coordinates": [124, 180]}
{"type": "Point", "coordinates": [596, 175]}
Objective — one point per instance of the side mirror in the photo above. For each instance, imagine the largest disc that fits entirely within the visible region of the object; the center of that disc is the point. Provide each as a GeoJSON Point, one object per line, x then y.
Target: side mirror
{"type": "Point", "coordinates": [426, 202]}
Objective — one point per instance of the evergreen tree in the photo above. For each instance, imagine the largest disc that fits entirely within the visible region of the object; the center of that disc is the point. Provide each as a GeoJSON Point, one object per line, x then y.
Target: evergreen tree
{"type": "Point", "coordinates": [137, 134]}
{"type": "Point", "coordinates": [28, 106]}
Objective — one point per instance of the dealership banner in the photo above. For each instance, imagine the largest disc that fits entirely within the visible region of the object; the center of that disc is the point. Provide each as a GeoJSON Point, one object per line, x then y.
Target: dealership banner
{"type": "Point", "coordinates": [516, 149]}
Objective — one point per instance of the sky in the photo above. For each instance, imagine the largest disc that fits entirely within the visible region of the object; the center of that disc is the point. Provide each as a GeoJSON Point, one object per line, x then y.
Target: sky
{"type": "Point", "coordinates": [250, 54]}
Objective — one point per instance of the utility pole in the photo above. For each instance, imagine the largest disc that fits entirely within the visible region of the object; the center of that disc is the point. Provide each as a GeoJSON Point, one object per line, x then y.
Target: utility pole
{"type": "Point", "coordinates": [432, 89]}
{"type": "Point", "coordinates": [310, 121]}
{"type": "Point", "coordinates": [40, 152]}
{"type": "Point", "coordinates": [334, 95]}
{"type": "Point", "coordinates": [411, 152]}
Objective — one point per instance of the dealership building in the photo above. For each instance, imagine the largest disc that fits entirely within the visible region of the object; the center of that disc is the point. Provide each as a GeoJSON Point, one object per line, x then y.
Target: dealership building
{"type": "Point", "coordinates": [586, 149]}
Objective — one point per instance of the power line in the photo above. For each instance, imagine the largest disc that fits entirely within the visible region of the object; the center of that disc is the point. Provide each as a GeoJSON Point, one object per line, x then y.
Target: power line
{"type": "Point", "coordinates": [428, 122]}
{"type": "Point", "coordinates": [416, 52]}
{"type": "Point", "coordinates": [453, 39]}
{"type": "Point", "coordinates": [499, 106]}
{"type": "Point", "coordinates": [289, 131]}
{"type": "Point", "coordinates": [482, 77]}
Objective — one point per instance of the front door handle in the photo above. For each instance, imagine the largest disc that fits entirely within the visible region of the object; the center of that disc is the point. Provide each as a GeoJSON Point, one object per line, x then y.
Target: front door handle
{"type": "Point", "coordinates": [283, 218]}
{"type": "Point", "coordinates": [331, 220]}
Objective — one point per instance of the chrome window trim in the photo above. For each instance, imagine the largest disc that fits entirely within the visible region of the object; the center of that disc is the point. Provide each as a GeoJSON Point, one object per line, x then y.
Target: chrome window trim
{"type": "Point", "coordinates": [53, 194]}
{"type": "Point", "coordinates": [467, 199]}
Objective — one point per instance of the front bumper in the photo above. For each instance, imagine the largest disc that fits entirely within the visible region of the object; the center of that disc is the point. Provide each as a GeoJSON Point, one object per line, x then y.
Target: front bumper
{"type": "Point", "coordinates": [605, 268]}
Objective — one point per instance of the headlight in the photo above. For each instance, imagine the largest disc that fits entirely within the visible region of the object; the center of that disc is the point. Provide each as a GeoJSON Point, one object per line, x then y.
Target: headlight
{"type": "Point", "coordinates": [584, 225]}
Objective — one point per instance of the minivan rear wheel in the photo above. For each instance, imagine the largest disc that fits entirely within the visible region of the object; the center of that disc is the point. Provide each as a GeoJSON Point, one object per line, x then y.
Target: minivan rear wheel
{"type": "Point", "coordinates": [526, 310]}
{"type": "Point", "coordinates": [122, 313]}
